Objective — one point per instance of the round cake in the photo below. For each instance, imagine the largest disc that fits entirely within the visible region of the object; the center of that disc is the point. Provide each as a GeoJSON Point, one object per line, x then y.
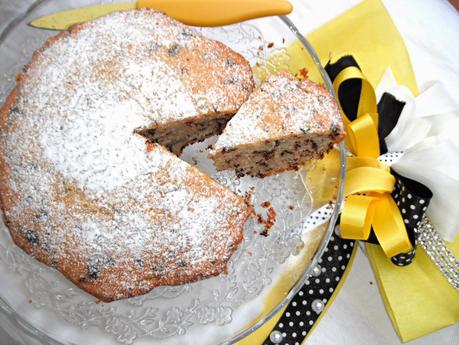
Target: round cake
{"type": "Point", "coordinates": [83, 185]}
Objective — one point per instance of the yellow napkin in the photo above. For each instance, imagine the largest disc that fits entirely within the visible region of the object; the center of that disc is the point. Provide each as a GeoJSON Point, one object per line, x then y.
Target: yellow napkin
{"type": "Point", "coordinates": [418, 299]}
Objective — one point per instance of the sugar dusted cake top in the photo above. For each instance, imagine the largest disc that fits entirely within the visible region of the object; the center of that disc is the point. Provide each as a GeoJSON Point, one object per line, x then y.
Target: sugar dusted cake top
{"type": "Point", "coordinates": [81, 192]}
{"type": "Point", "coordinates": [282, 106]}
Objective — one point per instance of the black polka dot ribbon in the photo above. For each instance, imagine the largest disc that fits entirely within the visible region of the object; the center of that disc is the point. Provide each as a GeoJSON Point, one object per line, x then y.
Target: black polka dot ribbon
{"type": "Point", "coordinates": [412, 198]}
{"type": "Point", "coordinates": [310, 302]}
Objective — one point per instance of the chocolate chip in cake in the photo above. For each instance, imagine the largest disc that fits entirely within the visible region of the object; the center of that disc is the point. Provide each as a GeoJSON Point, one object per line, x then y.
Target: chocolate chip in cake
{"type": "Point", "coordinates": [321, 98]}
{"type": "Point", "coordinates": [160, 268]}
{"type": "Point", "coordinates": [286, 152]}
{"type": "Point", "coordinates": [154, 46]}
{"type": "Point", "coordinates": [33, 166]}
{"type": "Point", "coordinates": [335, 130]}
{"type": "Point", "coordinates": [268, 155]}
{"type": "Point", "coordinates": [13, 115]}
{"type": "Point", "coordinates": [14, 110]}
{"type": "Point", "coordinates": [314, 146]}
{"type": "Point", "coordinates": [174, 50]}
{"type": "Point", "coordinates": [187, 33]}
{"type": "Point", "coordinates": [41, 215]}
{"type": "Point", "coordinates": [229, 62]}
{"type": "Point", "coordinates": [139, 262]}
{"type": "Point", "coordinates": [230, 81]}
{"type": "Point", "coordinates": [46, 247]}
{"type": "Point", "coordinates": [31, 237]}
{"type": "Point", "coordinates": [92, 273]}
{"type": "Point", "coordinates": [94, 266]}
{"type": "Point", "coordinates": [239, 173]}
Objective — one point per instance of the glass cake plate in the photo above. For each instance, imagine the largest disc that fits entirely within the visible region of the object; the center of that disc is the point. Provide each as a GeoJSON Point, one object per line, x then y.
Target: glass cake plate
{"type": "Point", "coordinates": [263, 275]}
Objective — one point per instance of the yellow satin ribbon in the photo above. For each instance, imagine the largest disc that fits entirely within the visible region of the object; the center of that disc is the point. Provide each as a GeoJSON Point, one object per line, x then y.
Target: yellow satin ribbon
{"type": "Point", "coordinates": [369, 182]}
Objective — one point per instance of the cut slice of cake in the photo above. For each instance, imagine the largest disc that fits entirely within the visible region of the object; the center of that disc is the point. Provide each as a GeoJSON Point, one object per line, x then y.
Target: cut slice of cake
{"type": "Point", "coordinates": [284, 124]}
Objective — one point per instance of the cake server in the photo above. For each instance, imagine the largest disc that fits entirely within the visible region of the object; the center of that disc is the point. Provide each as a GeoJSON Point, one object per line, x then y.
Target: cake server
{"type": "Point", "coordinates": [191, 12]}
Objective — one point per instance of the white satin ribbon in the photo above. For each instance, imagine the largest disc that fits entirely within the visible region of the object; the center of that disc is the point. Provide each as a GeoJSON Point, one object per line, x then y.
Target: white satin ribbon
{"type": "Point", "coordinates": [428, 134]}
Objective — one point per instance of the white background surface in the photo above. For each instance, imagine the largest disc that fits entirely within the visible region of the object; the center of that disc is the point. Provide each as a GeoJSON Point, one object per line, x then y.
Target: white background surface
{"type": "Point", "coordinates": [430, 29]}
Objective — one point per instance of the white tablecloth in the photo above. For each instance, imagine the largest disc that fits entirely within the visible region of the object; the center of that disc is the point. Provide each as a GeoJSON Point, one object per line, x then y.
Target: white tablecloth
{"type": "Point", "coordinates": [430, 29]}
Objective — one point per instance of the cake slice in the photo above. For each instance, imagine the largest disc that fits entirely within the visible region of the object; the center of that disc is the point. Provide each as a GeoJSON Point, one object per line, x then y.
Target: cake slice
{"type": "Point", "coordinates": [284, 124]}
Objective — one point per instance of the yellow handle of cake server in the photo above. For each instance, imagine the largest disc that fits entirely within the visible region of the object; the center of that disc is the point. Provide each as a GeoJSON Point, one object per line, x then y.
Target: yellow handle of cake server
{"type": "Point", "coordinates": [217, 12]}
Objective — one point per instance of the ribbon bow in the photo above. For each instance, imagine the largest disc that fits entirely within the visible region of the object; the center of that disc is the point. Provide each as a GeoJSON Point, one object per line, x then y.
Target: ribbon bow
{"type": "Point", "coordinates": [369, 182]}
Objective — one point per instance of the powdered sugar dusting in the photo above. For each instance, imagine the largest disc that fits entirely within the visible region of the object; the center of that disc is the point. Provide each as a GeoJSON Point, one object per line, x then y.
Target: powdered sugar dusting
{"type": "Point", "coordinates": [282, 106]}
{"type": "Point", "coordinates": [102, 144]}
{"type": "Point", "coordinates": [82, 193]}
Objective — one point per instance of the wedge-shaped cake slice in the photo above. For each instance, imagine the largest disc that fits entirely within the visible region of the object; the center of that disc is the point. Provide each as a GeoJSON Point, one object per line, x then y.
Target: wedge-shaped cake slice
{"type": "Point", "coordinates": [284, 124]}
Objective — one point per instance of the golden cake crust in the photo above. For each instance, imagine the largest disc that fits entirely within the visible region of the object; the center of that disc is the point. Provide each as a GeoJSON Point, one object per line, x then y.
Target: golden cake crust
{"type": "Point", "coordinates": [80, 191]}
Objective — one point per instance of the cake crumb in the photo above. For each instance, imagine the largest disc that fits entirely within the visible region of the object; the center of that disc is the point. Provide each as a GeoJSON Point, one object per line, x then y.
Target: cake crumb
{"type": "Point", "coordinates": [270, 44]}
{"type": "Point", "coordinates": [264, 233]}
{"type": "Point", "coordinates": [260, 219]}
{"type": "Point", "coordinates": [268, 222]}
{"type": "Point", "coordinates": [248, 197]}
{"type": "Point", "coordinates": [303, 73]}
{"type": "Point", "coordinates": [150, 146]}
{"type": "Point", "coordinates": [291, 207]}
{"type": "Point", "coordinates": [265, 204]}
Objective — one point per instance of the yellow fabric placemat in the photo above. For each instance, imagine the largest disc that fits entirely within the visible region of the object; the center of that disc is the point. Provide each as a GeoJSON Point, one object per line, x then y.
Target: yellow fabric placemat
{"type": "Point", "coordinates": [418, 299]}
{"type": "Point", "coordinates": [366, 32]}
